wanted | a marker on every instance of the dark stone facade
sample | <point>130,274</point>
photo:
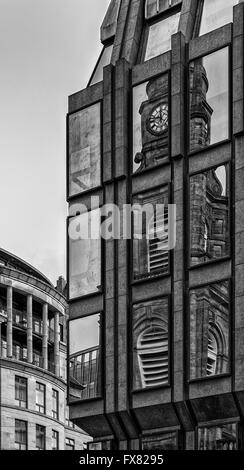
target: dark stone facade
<point>121,415</point>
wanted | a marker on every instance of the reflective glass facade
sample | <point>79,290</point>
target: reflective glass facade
<point>210,330</point>
<point>104,60</point>
<point>151,344</point>
<point>159,36</point>
<point>150,123</point>
<point>209,99</point>
<point>85,358</point>
<point>210,215</point>
<point>84,154</point>
<point>222,437</point>
<point>216,13</point>
<point>84,254</point>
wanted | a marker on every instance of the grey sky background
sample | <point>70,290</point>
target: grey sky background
<point>48,49</point>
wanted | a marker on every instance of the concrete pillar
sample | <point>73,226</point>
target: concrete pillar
<point>10,321</point>
<point>29,330</point>
<point>178,152</point>
<point>56,344</point>
<point>0,340</point>
<point>45,336</point>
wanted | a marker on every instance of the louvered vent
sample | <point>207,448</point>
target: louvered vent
<point>153,356</point>
<point>158,240</point>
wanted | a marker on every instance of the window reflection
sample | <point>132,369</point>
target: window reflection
<point>209,330</point>
<point>84,149</point>
<point>150,123</point>
<point>223,437</point>
<point>104,60</point>
<point>209,215</point>
<point>84,254</point>
<point>150,341</point>
<point>84,358</point>
<point>209,99</point>
<point>167,441</point>
<point>216,13</point>
<point>159,36</point>
<point>150,234</point>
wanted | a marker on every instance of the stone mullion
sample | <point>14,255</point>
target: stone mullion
<point>238,201</point>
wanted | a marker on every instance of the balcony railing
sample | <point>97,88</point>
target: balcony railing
<point>37,326</point>
<point>3,349</point>
<point>19,353</point>
<point>19,318</point>
<point>38,360</point>
<point>84,375</point>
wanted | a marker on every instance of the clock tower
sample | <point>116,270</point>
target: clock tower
<point>154,124</point>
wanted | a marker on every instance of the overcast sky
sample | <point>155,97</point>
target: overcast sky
<point>48,49</point>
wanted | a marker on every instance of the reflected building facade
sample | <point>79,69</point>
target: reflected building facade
<point>155,334</point>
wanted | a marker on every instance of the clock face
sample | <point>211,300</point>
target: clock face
<point>157,122</point>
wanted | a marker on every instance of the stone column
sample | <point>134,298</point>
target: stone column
<point>10,321</point>
<point>45,336</point>
<point>29,329</point>
<point>56,344</point>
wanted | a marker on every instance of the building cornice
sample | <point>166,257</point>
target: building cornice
<point>29,284</point>
<point>7,363</point>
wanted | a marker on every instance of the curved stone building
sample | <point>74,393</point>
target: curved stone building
<point>33,411</point>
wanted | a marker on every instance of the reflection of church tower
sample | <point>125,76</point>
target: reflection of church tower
<point>210,328</point>
<point>201,112</point>
<point>154,124</point>
<point>209,216</point>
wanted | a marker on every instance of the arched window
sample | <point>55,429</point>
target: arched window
<point>158,255</point>
<point>152,350</point>
<point>212,354</point>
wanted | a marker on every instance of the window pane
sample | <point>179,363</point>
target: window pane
<point>55,404</point>
<point>150,344</point>
<point>209,99</point>
<point>163,442</point>
<point>84,255</point>
<point>40,437</point>
<point>223,437</point>
<point>69,444</point>
<point>159,36</point>
<point>20,435</point>
<point>210,330</point>
<point>209,213</point>
<point>105,59</point>
<point>40,397</point>
<point>21,391</point>
<point>150,123</point>
<point>55,440</point>
<point>154,7</point>
<point>150,234</point>
<point>84,149</point>
<point>85,358</point>
<point>216,13</point>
